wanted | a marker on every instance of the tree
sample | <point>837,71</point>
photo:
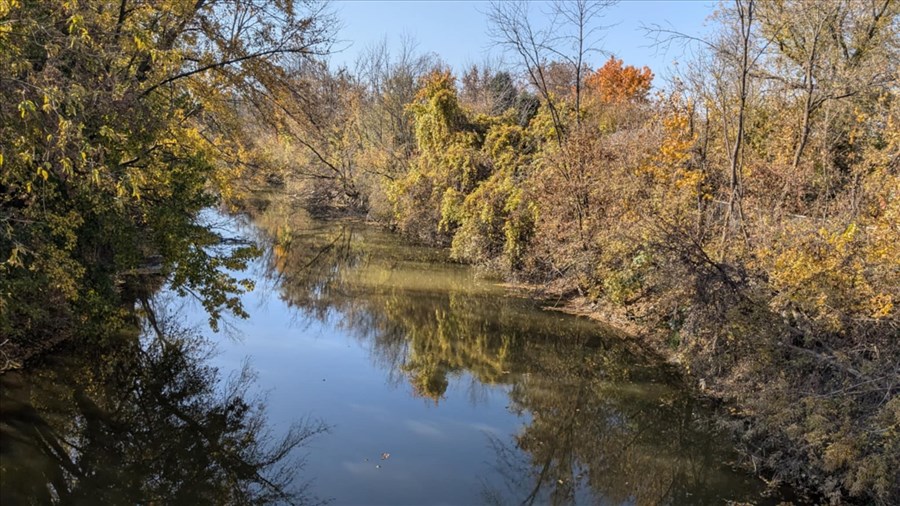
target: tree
<point>743,32</point>
<point>612,83</point>
<point>827,52</point>
<point>117,125</point>
<point>313,134</point>
<point>503,92</point>
<point>577,36</point>
<point>570,37</point>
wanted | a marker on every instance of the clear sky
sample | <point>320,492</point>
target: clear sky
<point>457,30</point>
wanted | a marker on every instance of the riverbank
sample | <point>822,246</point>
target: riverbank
<point>806,407</point>
<point>747,407</point>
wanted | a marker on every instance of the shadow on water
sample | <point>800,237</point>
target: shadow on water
<point>143,420</point>
<point>605,423</point>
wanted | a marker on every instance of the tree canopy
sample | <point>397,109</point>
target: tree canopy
<point>118,123</point>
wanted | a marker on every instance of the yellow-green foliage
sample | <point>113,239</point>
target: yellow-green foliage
<point>830,276</point>
<point>840,274</point>
<point>437,112</point>
<point>449,163</point>
<point>542,128</point>
<point>112,139</point>
<point>496,218</point>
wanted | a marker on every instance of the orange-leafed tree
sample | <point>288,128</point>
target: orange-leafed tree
<point>615,83</point>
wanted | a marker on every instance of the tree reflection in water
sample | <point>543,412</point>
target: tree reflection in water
<point>143,420</point>
<point>630,439</point>
<point>606,423</point>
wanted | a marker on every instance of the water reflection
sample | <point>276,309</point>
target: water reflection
<point>605,424</point>
<point>143,420</point>
<point>630,439</point>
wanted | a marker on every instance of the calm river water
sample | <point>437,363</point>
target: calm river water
<point>436,388</point>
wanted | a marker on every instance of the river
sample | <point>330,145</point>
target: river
<point>369,372</point>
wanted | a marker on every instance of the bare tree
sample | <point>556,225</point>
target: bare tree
<point>390,81</point>
<point>570,37</point>
<point>829,52</point>
<point>580,36</point>
<point>744,11</point>
<point>736,53</point>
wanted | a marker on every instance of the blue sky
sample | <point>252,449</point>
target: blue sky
<point>457,30</point>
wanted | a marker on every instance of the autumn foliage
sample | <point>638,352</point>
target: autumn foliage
<point>614,83</point>
<point>745,216</point>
